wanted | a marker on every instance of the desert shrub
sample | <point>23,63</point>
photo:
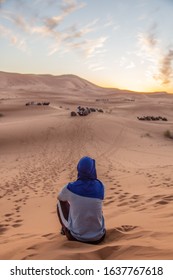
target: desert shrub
<point>168,134</point>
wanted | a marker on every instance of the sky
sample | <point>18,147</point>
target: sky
<point>126,44</point>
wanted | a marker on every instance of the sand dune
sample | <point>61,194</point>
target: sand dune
<point>39,150</point>
<point>44,83</point>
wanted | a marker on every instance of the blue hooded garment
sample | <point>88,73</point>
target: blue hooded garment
<point>87,184</point>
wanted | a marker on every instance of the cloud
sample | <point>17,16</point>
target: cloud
<point>99,68</point>
<point>30,23</point>
<point>69,6</point>
<point>150,54</point>
<point>52,23</point>
<point>123,61</point>
<point>96,67</point>
<point>73,32</point>
<point>126,63</point>
<point>3,30</point>
<point>1,2</point>
<point>165,70</point>
<point>160,68</point>
<point>43,25</point>
<point>34,26</point>
<point>21,44</point>
<point>57,46</point>
<point>130,65</point>
<point>147,41</point>
<point>88,47</point>
<point>20,22</point>
<point>72,38</point>
<point>109,22</point>
<point>14,39</point>
<point>24,15</point>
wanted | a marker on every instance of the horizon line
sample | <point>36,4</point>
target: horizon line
<point>71,74</point>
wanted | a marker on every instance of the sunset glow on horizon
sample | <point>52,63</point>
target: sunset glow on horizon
<point>112,43</point>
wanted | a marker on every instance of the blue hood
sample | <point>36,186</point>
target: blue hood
<point>86,169</point>
<point>87,184</point>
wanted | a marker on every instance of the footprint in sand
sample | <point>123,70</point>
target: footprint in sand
<point>49,236</point>
<point>109,202</point>
<point>34,247</point>
<point>122,204</point>
<point>165,200</point>
<point>8,214</point>
<point>119,233</point>
<point>155,197</point>
<point>167,179</point>
<point>135,196</point>
<point>3,228</point>
<point>17,208</point>
<point>17,223</point>
<point>122,196</point>
<point>125,228</point>
<point>161,202</point>
<point>169,198</point>
<point>30,256</point>
<point>109,197</point>
<point>8,220</point>
<point>116,192</point>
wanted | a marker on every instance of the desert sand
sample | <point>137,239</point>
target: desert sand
<point>39,150</point>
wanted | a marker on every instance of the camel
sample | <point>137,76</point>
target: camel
<point>73,114</point>
<point>84,111</point>
<point>151,118</point>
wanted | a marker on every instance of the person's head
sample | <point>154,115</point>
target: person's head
<point>86,168</point>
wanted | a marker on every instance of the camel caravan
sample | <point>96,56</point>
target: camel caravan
<point>152,118</point>
<point>84,111</point>
<point>37,103</point>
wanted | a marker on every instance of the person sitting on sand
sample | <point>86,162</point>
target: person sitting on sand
<point>79,206</point>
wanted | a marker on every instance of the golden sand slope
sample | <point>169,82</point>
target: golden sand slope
<point>39,150</point>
